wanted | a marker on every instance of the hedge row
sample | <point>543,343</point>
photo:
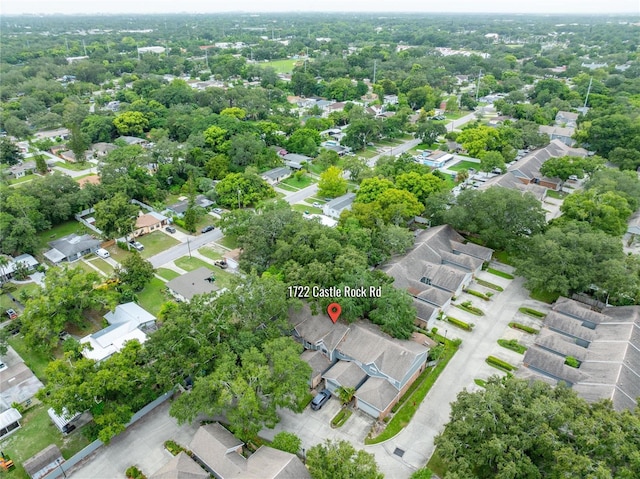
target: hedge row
<point>502,274</point>
<point>341,417</point>
<point>460,324</point>
<point>522,327</point>
<point>478,294</point>
<point>513,345</point>
<point>500,364</point>
<point>532,312</point>
<point>495,287</point>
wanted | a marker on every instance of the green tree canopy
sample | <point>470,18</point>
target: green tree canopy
<point>115,216</point>
<point>334,459</point>
<point>332,184</point>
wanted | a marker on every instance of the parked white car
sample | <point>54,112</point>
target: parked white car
<point>103,253</point>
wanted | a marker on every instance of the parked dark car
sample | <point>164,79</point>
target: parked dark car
<point>221,264</point>
<point>206,229</point>
<point>170,229</point>
<point>321,399</point>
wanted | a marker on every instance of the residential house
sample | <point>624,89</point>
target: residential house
<point>334,145</point>
<point>605,344</point>
<point>337,205</point>
<point>220,452</point>
<point>560,133</point>
<point>439,266</point>
<point>127,322</point>
<point>524,174</point>
<point>133,140</point>
<point>182,205</point>
<point>71,248</point>
<point>25,261</point>
<point>149,222</point>
<point>18,384</point>
<point>295,161</point>
<point>101,149</point>
<point>21,170</point>
<point>199,281</point>
<point>44,462</point>
<point>377,366</point>
<point>434,159</point>
<point>390,99</point>
<point>59,134</point>
<point>319,365</point>
<point>9,421</point>
<point>276,175</point>
<point>567,119</point>
<point>180,467</point>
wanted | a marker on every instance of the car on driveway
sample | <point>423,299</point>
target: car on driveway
<point>206,229</point>
<point>103,253</point>
<point>218,211</point>
<point>12,313</point>
<point>137,245</point>
<point>221,264</point>
<point>316,205</point>
<point>170,229</point>
<point>321,399</point>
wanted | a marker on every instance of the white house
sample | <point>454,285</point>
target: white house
<point>336,206</point>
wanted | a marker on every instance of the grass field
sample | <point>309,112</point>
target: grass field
<point>463,165</point>
<point>167,274</point>
<point>303,208</point>
<point>209,253</point>
<point>228,242</point>
<point>75,166</point>
<point>153,296</point>
<point>37,361</point>
<point>103,266</point>
<point>303,183</point>
<point>280,66</point>
<point>155,243</point>
<point>37,432</point>
<point>191,264</point>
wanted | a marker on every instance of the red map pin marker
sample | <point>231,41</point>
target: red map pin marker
<point>334,311</point>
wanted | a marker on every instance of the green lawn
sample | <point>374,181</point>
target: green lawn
<point>36,433</point>
<point>559,195</point>
<point>305,181</point>
<point>228,242</point>
<point>280,66</point>
<point>118,253</point>
<point>454,115</point>
<point>543,296</point>
<point>36,361</point>
<point>75,166</point>
<point>153,296</point>
<point>84,266</point>
<point>24,179</point>
<point>155,243</point>
<point>191,264</point>
<point>167,274</point>
<point>103,266</point>
<point>6,303</point>
<point>303,208</point>
<point>463,165</point>
<point>286,187</point>
<point>59,231</point>
<point>209,253</point>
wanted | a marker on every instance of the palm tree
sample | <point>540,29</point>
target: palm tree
<point>3,263</point>
<point>345,394</point>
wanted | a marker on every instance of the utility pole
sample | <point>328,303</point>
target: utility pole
<point>375,65</point>
<point>478,84</point>
<point>586,99</point>
<point>66,41</point>
<point>85,48</point>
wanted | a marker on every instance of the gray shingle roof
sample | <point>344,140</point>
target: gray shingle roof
<point>73,244</point>
<point>377,392</point>
<point>193,282</point>
<point>346,374</point>
<point>180,467</point>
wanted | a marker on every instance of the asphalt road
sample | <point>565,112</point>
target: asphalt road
<point>193,242</point>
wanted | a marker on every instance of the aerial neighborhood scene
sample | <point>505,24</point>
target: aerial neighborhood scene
<point>377,240</point>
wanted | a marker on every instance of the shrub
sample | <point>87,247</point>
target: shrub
<point>502,274</point>
<point>480,382</point>
<point>478,294</point>
<point>434,330</point>
<point>460,323</point>
<point>134,473</point>
<point>500,364</point>
<point>495,287</point>
<point>573,362</point>
<point>173,447</point>
<point>341,417</point>
<point>513,345</point>
<point>287,441</point>
<point>532,312</point>
<point>469,308</point>
<point>522,327</point>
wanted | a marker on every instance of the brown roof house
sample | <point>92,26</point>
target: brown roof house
<point>221,454</point>
<point>181,467</point>
<point>605,346</point>
<point>149,222</point>
<point>437,268</point>
<point>379,367</point>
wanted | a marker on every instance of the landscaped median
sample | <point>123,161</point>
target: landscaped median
<point>414,397</point>
<point>500,364</point>
<point>461,324</point>
<point>341,417</point>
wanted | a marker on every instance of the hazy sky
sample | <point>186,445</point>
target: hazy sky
<point>213,6</point>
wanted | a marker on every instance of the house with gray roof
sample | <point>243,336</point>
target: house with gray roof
<point>180,467</point>
<point>9,421</point>
<point>561,133</point>
<point>71,248</point>
<point>296,161</point>
<point>182,205</point>
<point>360,353</point>
<point>337,205</point>
<point>525,173</point>
<point>221,454</point>
<point>18,384</point>
<point>199,281</point>
<point>276,175</point>
<point>606,345</point>
<point>319,365</point>
<point>439,266</point>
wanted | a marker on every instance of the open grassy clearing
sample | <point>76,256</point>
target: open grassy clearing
<point>305,181</point>
<point>228,242</point>
<point>75,166</point>
<point>209,253</point>
<point>191,264</point>
<point>463,165</point>
<point>167,274</point>
<point>280,66</point>
<point>155,243</point>
<point>153,296</point>
<point>302,208</point>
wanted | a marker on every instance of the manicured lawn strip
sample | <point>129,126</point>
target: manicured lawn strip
<point>302,208</point>
<point>36,433</point>
<point>500,364</point>
<point>167,274</point>
<point>556,194</point>
<point>478,294</point>
<point>463,165</point>
<point>341,417</point>
<point>523,327</point>
<point>304,402</point>
<point>503,257</point>
<point>419,380</point>
<point>305,181</point>
<point>532,312</point>
<point>282,186</point>
<point>84,266</point>
<point>513,345</point>
<point>544,296</point>
<point>402,418</point>
<point>209,253</point>
<point>103,266</point>
<point>155,243</point>
<point>502,274</point>
<point>36,361</point>
<point>190,264</point>
<point>153,296</point>
<point>487,284</point>
<point>469,309</point>
<point>228,242</point>
<point>461,324</point>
